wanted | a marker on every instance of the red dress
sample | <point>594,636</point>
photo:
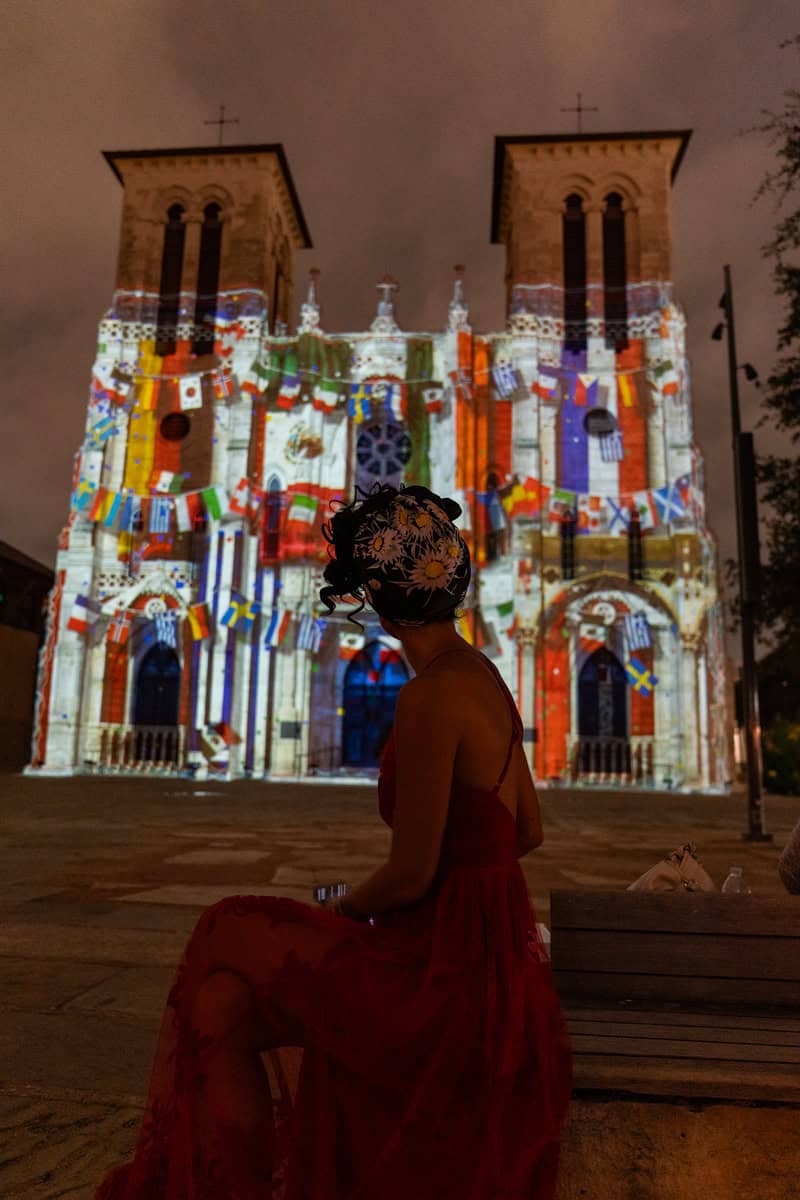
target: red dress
<point>436,1064</point>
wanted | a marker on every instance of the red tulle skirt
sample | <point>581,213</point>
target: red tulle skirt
<point>433,1057</point>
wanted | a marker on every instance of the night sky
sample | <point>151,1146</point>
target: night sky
<point>388,114</point>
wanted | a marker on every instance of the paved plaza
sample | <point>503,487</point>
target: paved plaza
<point>103,879</point>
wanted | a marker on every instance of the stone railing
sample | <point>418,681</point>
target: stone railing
<point>141,748</point>
<point>612,761</point>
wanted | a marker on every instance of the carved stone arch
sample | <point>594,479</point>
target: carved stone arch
<point>622,184</point>
<point>212,193</point>
<point>164,198</point>
<point>607,582</point>
<point>571,185</point>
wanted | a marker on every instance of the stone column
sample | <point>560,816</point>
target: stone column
<point>688,709</point>
<point>702,719</point>
<point>64,709</point>
<point>547,446</point>
<point>88,742</point>
<point>287,709</point>
<point>526,649</point>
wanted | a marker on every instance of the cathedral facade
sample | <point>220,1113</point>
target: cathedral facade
<point>185,633</point>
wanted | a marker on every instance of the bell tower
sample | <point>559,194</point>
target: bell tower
<point>200,222</point>
<point>588,213</point>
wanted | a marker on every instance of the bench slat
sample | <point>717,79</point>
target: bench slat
<point>601,986</point>
<point>689,912</point>
<point>645,1047</point>
<point>710,955</point>
<point>679,1020</point>
<point>657,1032</point>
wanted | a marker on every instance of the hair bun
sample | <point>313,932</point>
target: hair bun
<point>451,507</point>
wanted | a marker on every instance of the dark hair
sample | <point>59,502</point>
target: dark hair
<point>345,576</point>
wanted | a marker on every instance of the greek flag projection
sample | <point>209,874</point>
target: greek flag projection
<point>185,633</point>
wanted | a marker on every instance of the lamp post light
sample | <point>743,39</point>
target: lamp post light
<point>748,557</point>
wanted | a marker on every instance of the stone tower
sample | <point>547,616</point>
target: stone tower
<point>585,220</point>
<point>191,219</point>
<point>535,175</point>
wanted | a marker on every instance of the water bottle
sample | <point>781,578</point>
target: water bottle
<point>733,884</point>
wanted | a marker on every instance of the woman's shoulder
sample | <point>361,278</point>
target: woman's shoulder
<point>447,682</point>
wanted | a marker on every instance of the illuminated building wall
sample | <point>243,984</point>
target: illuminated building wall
<point>185,631</point>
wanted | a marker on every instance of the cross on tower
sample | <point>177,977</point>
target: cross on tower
<point>580,109</point>
<point>386,286</point>
<point>222,121</point>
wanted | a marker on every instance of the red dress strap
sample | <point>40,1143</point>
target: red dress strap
<point>515,718</point>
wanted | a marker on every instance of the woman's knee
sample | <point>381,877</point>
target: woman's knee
<point>223,1005</point>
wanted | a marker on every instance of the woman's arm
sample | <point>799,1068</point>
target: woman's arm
<point>383,890</point>
<point>529,817</point>
<point>789,862</point>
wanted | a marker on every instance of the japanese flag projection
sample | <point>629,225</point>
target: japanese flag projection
<point>191,392</point>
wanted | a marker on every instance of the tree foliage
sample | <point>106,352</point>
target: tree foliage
<point>779,475</point>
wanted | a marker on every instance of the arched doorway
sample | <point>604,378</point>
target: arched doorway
<point>603,716</point>
<point>156,704</point>
<point>371,684</point>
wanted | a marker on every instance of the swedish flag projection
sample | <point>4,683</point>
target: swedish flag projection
<point>185,633</point>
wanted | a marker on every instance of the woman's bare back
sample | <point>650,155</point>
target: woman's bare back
<point>483,717</point>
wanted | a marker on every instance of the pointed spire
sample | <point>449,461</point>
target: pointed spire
<point>458,312</point>
<point>309,311</point>
<point>385,320</point>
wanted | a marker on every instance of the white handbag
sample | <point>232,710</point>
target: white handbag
<point>680,870</point>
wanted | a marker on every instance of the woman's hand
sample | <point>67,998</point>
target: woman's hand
<point>340,906</point>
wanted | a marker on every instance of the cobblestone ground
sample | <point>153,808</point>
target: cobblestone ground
<point>102,881</point>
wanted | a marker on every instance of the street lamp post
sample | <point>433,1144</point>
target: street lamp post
<point>747,548</point>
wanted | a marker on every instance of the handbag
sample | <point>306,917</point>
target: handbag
<point>680,870</point>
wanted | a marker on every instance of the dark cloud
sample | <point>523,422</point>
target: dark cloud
<point>387,113</point>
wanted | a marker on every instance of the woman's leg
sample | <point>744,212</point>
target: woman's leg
<point>207,1082</point>
<point>231,1103</point>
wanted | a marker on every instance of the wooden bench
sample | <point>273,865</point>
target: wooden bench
<point>665,990</point>
<point>684,1013</point>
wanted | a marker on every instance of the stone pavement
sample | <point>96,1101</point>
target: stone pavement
<point>102,881</point>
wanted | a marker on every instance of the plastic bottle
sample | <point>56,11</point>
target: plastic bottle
<point>733,883</point>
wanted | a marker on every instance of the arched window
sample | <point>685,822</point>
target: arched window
<point>615,272</point>
<point>574,243</point>
<point>568,525</point>
<point>207,280</point>
<point>271,521</point>
<point>170,288</point>
<point>635,559</point>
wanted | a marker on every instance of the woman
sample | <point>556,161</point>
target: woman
<point>435,1057</point>
<point>789,862</point>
